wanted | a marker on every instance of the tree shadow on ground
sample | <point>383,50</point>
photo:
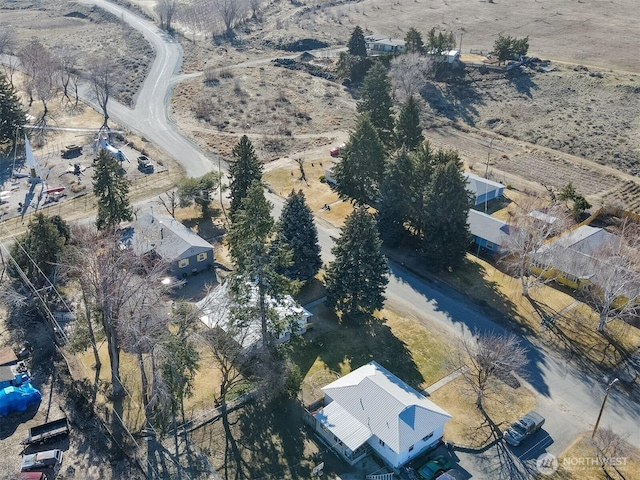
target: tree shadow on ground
<point>454,101</point>
<point>346,347</point>
<point>521,81</point>
<point>272,439</point>
<point>494,313</point>
<point>209,225</point>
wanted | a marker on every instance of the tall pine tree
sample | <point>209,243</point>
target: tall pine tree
<point>413,42</point>
<point>244,169</point>
<point>256,262</point>
<point>12,116</point>
<point>357,278</point>
<point>446,209</point>
<point>375,101</point>
<point>297,231</point>
<point>357,45</point>
<point>408,129</point>
<point>38,251</point>
<point>359,173</point>
<point>112,190</point>
<point>394,206</point>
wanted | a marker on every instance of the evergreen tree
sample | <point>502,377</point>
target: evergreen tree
<point>12,116</point>
<point>112,190</point>
<point>297,231</point>
<point>408,129</point>
<point>418,183</point>
<point>39,249</point>
<point>353,67</point>
<point>244,169</point>
<point>357,45</point>
<point>255,261</point>
<point>413,42</point>
<point>394,205</point>
<point>359,173</point>
<point>446,209</point>
<point>376,102</point>
<point>357,278</point>
<point>440,42</point>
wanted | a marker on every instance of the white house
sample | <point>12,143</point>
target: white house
<point>372,409</point>
<point>285,314</point>
<point>382,44</point>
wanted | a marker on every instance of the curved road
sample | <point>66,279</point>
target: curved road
<point>569,398</point>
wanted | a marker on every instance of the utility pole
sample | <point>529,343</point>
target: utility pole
<point>604,400</point>
<point>486,171</point>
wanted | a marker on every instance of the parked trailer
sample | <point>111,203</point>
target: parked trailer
<point>47,431</point>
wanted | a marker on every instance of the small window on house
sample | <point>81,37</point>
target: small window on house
<point>202,256</point>
<point>490,245</point>
<point>411,448</point>
<point>183,263</point>
<point>381,442</point>
<point>427,437</point>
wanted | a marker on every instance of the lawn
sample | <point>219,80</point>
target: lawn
<point>580,462</point>
<point>206,384</point>
<point>468,426</point>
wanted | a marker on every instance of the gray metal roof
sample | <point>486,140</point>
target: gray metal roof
<point>167,237</point>
<point>479,185</point>
<point>343,425</point>
<point>488,227</point>
<point>390,409</point>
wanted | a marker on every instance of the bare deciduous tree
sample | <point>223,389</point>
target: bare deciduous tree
<point>104,80</point>
<point>409,74</point>
<point>32,56</point>
<point>170,200</point>
<point>68,73</point>
<point>486,357</point>
<point>230,11</point>
<point>613,288</point>
<point>7,45</point>
<point>166,10</point>
<point>254,5</point>
<point>45,84</point>
<point>531,224</point>
<point>611,449</point>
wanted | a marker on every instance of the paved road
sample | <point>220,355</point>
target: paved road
<point>568,399</point>
<point>149,116</point>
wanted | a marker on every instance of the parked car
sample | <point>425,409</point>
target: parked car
<point>433,467</point>
<point>144,164</point>
<point>41,460</point>
<point>523,428</point>
<point>335,151</point>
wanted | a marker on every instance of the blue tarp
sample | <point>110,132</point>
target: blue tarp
<point>18,398</point>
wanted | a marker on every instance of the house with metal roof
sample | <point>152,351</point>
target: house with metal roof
<point>483,189</point>
<point>285,316</point>
<point>166,237</point>
<point>383,45</point>
<point>372,410</point>
<point>489,233</point>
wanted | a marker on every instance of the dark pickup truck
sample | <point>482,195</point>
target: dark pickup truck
<point>71,151</point>
<point>523,428</point>
<point>47,431</point>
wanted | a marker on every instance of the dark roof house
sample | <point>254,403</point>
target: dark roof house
<point>172,241</point>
